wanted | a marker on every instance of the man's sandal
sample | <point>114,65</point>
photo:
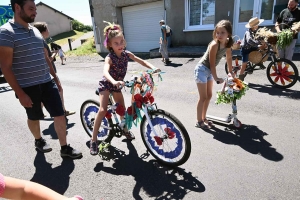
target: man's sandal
<point>202,125</point>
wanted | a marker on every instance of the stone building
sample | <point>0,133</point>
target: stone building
<point>192,21</point>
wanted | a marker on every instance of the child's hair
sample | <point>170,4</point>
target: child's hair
<point>54,46</point>
<point>227,25</point>
<point>41,26</point>
<point>110,31</point>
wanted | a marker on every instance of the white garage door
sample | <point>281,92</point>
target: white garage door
<point>141,26</point>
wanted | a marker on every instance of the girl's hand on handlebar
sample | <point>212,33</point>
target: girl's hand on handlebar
<point>155,70</point>
<point>219,80</point>
<point>118,84</point>
<point>231,74</point>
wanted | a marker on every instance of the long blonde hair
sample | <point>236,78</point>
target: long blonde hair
<point>110,31</point>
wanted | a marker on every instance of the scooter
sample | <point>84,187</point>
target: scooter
<point>229,118</point>
<point>233,116</point>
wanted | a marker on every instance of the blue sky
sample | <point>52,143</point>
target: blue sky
<point>77,9</point>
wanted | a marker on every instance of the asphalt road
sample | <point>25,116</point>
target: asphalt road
<point>259,161</point>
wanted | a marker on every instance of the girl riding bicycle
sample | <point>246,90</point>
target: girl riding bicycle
<point>205,71</point>
<point>115,68</point>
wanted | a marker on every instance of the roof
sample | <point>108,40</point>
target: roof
<point>43,4</point>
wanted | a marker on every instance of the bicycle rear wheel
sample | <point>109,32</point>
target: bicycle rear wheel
<point>88,112</point>
<point>171,146</point>
<point>283,73</point>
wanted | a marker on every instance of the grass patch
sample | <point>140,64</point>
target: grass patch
<point>86,49</point>
<point>62,38</point>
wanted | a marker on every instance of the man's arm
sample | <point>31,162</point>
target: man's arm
<point>165,35</point>
<point>6,58</point>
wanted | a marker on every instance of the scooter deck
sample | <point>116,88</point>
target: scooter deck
<point>221,119</point>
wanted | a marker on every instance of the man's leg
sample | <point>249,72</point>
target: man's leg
<point>34,127</point>
<point>289,51</point>
<point>34,114</point>
<point>53,104</point>
<point>60,128</point>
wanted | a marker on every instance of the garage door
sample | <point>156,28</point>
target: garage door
<point>141,26</point>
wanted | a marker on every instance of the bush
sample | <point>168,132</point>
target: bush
<point>78,26</point>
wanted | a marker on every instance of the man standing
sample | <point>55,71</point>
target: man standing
<point>286,19</point>
<point>26,69</point>
<point>163,42</point>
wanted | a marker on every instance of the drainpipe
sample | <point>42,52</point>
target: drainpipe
<point>165,11</point>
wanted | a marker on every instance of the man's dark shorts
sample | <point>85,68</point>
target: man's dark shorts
<point>46,93</point>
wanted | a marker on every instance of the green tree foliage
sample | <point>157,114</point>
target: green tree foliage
<point>78,26</point>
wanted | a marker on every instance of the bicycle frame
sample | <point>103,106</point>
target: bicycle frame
<point>120,126</point>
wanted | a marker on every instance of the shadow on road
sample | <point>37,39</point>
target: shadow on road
<point>249,137</point>
<point>51,130</point>
<point>156,180</point>
<point>56,178</point>
<point>293,94</point>
<point>173,64</point>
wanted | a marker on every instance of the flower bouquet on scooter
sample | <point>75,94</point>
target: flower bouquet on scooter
<point>233,88</point>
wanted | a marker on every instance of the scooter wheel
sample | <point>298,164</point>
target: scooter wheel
<point>237,123</point>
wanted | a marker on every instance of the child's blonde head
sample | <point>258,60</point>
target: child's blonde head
<point>227,25</point>
<point>110,31</point>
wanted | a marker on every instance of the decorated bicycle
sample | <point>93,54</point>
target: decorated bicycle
<point>163,134</point>
<point>281,72</point>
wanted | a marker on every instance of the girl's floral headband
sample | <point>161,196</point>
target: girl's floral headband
<point>111,28</point>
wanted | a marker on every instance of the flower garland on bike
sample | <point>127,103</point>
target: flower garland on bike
<point>233,88</point>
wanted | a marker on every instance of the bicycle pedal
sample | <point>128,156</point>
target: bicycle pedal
<point>103,147</point>
<point>262,67</point>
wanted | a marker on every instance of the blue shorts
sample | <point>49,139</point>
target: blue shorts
<point>202,74</point>
<point>46,93</point>
<point>245,53</point>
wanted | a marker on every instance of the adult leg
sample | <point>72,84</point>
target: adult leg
<point>162,52</point>
<point>289,51</point>
<point>53,104</point>
<point>34,114</point>
<point>166,54</point>
<point>34,127</point>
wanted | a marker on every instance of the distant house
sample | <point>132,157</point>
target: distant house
<point>192,21</point>
<point>57,21</point>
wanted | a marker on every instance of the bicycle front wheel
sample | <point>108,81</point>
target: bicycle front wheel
<point>282,73</point>
<point>171,146</point>
<point>88,112</point>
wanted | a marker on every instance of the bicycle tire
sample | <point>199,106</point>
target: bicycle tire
<point>239,57</point>
<point>173,151</point>
<point>88,111</point>
<point>282,76</point>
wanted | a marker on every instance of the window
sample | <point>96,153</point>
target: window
<point>267,9</point>
<point>200,14</point>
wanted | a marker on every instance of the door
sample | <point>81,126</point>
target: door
<point>141,26</point>
<point>246,9</point>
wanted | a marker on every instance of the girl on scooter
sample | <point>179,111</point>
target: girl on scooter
<point>205,71</point>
